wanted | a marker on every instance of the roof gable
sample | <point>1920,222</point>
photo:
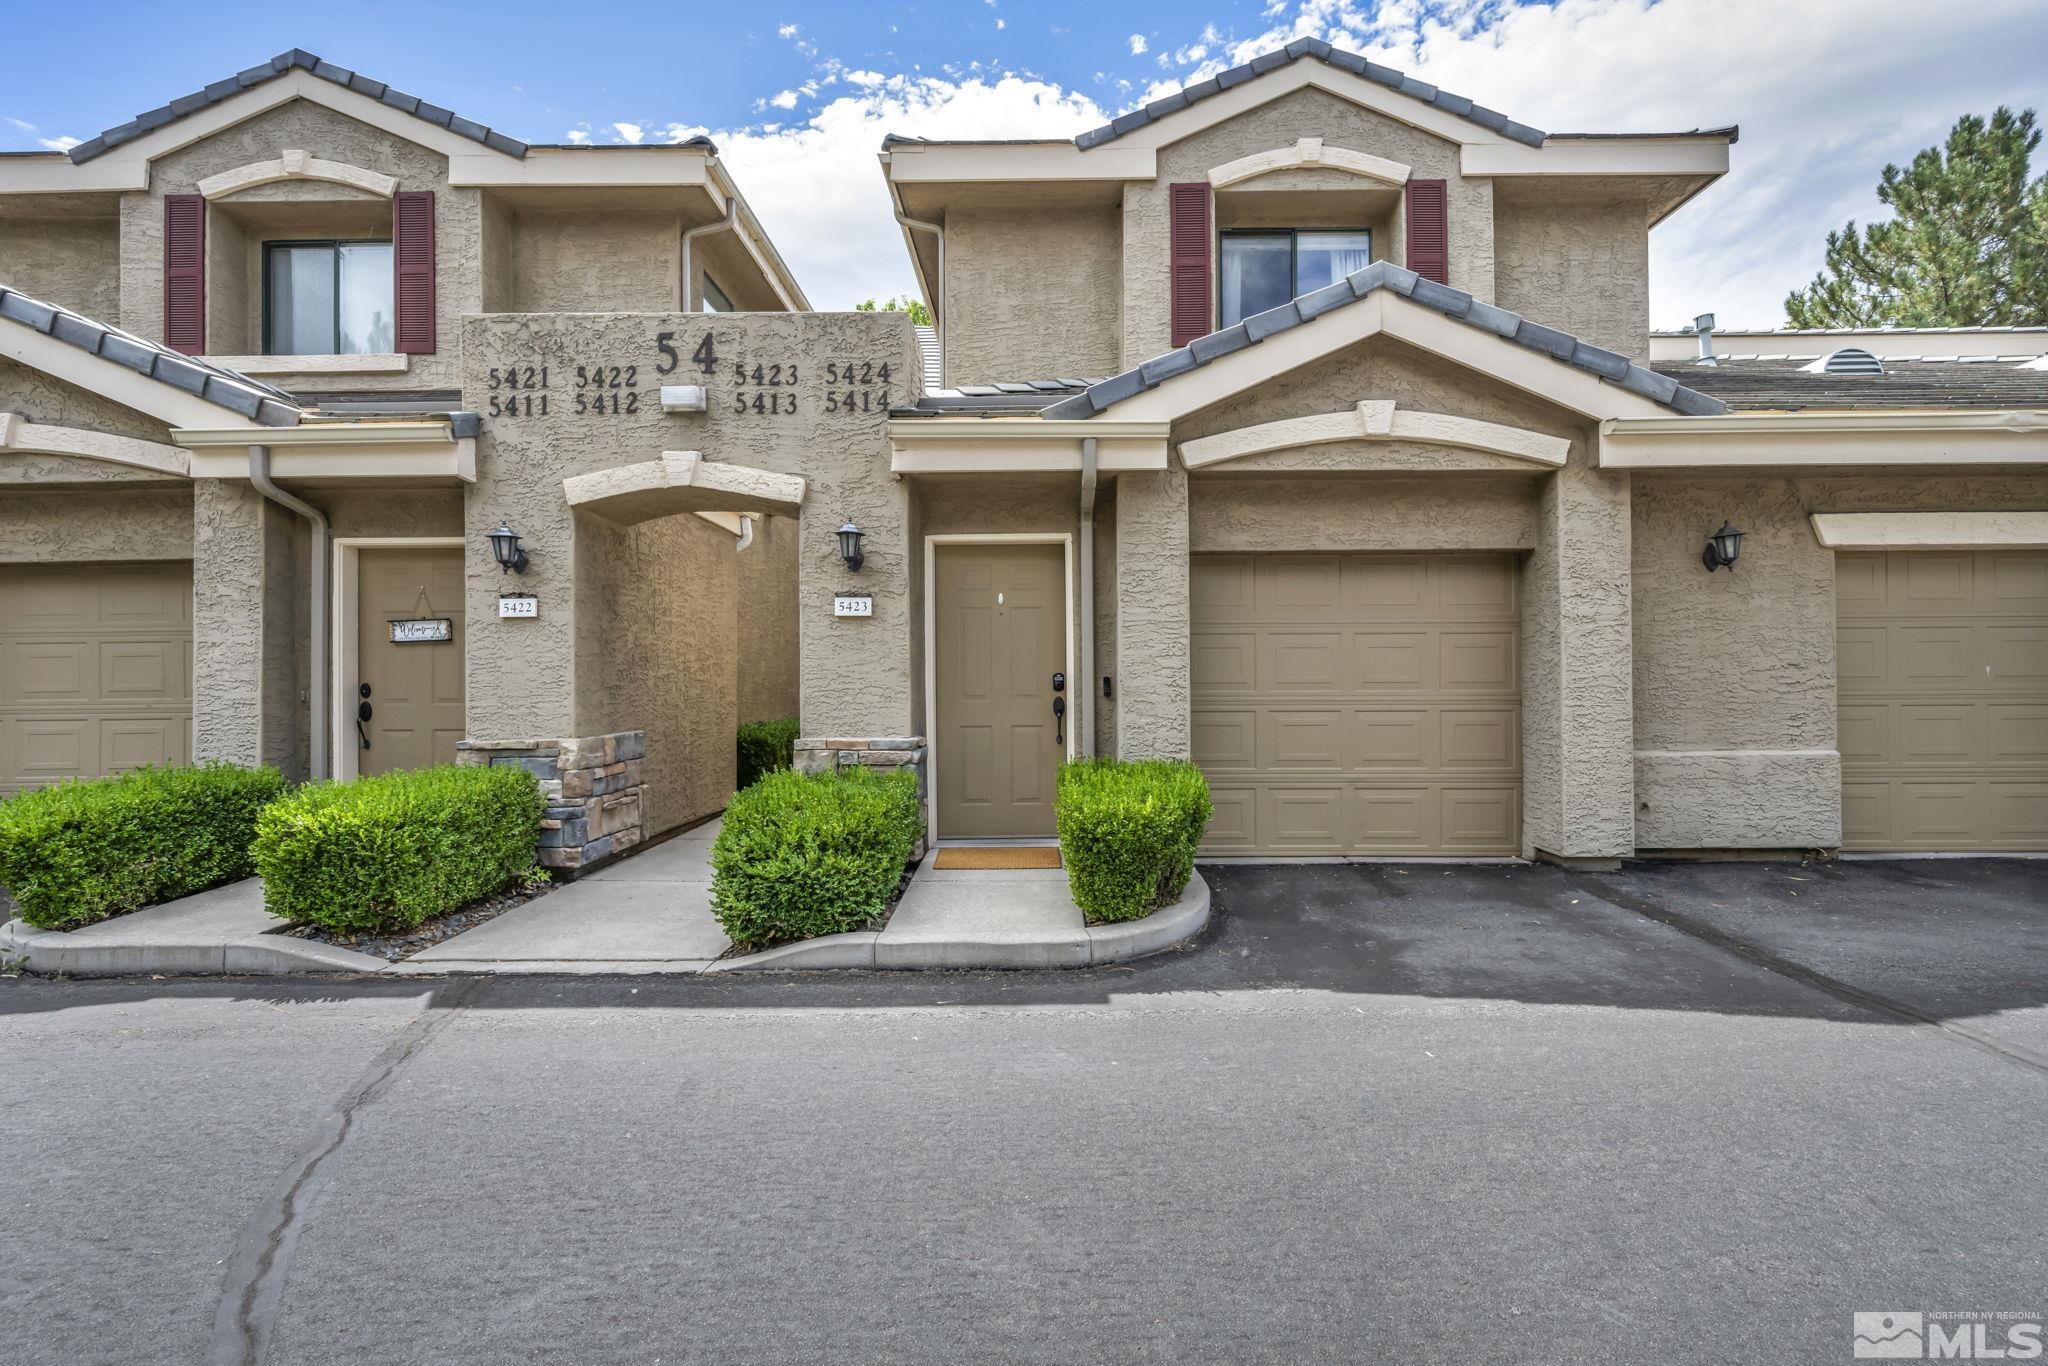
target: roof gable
<point>1447,321</point>
<point>281,65</point>
<point>175,389</point>
<point>1442,101</point>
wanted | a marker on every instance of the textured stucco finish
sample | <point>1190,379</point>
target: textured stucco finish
<point>327,134</point>
<point>1153,684</point>
<point>246,628</point>
<point>1302,113</point>
<point>36,397</point>
<point>1294,512</point>
<point>1735,692</point>
<point>765,604</point>
<point>657,650</point>
<point>1032,294</point>
<point>857,674</point>
<point>596,262</point>
<point>52,526</point>
<point>1579,265</point>
<point>73,261</point>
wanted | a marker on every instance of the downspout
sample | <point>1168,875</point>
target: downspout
<point>938,304</point>
<point>732,214</point>
<point>316,697</point>
<point>1084,686</point>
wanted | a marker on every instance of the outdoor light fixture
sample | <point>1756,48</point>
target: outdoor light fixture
<point>1722,548</point>
<point>849,545</point>
<point>505,546</point>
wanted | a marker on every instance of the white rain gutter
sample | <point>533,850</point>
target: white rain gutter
<point>1084,686</point>
<point>938,304</point>
<point>259,475</point>
<point>732,214</point>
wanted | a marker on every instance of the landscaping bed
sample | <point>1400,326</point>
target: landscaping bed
<point>395,946</point>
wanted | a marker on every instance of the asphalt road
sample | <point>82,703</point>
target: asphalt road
<point>1671,1114</point>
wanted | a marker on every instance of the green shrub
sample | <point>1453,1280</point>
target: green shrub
<point>802,855</point>
<point>79,852</point>
<point>385,853</point>
<point>1128,833</point>
<point>765,746</point>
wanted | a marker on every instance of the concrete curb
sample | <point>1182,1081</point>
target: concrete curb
<point>1088,947</point>
<point>54,951</point>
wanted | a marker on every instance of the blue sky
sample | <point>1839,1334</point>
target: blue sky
<point>799,95</point>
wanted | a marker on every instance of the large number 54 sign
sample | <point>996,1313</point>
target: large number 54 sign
<point>705,357</point>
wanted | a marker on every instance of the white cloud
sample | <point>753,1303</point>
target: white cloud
<point>59,144</point>
<point>785,99</point>
<point>1137,44</point>
<point>629,132</point>
<point>786,31</point>
<point>1002,23</point>
<point>23,124</point>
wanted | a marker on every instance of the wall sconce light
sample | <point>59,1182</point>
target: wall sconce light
<point>1722,548</point>
<point>849,546</point>
<point>505,547</point>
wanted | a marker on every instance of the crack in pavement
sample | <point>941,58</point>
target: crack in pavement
<point>254,1285</point>
<point>1770,961</point>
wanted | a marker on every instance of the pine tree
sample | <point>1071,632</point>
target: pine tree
<point>1967,245</point>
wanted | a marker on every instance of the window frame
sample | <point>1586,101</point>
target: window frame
<point>1293,236</point>
<point>711,287</point>
<point>334,246</point>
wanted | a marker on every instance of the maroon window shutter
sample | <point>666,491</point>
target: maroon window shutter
<point>185,273</point>
<point>412,264</point>
<point>1189,249</point>
<point>1429,230</point>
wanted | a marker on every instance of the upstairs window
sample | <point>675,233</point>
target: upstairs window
<point>716,300</point>
<point>327,299</point>
<point>1264,268</point>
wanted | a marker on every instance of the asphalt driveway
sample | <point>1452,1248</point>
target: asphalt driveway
<point>1670,1114</point>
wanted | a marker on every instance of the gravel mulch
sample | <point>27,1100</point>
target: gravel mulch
<point>395,948</point>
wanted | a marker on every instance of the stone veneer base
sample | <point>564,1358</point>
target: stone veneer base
<point>595,790</point>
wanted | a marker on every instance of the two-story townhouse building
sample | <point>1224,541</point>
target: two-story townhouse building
<point>1305,423</point>
<point>240,510</point>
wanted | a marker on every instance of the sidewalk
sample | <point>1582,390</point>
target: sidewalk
<point>648,913</point>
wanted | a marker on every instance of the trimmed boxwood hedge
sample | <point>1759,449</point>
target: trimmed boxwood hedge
<point>1128,833</point>
<point>802,854</point>
<point>80,852</point>
<point>385,853</point>
<point>765,746</point>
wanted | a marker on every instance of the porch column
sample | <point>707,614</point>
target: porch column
<point>248,645</point>
<point>1578,708</point>
<point>1151,567</point>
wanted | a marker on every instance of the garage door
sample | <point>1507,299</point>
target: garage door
<point>95,670</point>
<point>1365,704</point>
<point>1942,668</point>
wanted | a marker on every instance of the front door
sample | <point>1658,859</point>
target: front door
<point>1000,625</point>
<point>409,680</point>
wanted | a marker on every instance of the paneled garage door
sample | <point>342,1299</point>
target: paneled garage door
<point>1365,704</point>
<point>1942,668</point>
<point>95,670</point>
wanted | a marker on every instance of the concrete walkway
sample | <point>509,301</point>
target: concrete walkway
<point>225,930</point>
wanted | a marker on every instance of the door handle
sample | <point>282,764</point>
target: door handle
<point>363,713</point>
<point>1059,720</point>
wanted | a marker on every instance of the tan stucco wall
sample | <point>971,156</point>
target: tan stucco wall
<point>321,131</point>
<point>139,522</point>
<point>765,602</point>
<point>657,650</point>
<point>38,398</point>
<point>1734,673</point>
<point>1032,294</point>
<point>566,261</point>
<point>72,261</point>
<point>857,675</point>
<point>1302,113</point>
<point>1579,265</point>
<point>248,559</point>
<point>1361,512</point>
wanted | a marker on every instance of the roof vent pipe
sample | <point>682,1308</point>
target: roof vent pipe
<point>1703,328</point>
<point>316,648</point>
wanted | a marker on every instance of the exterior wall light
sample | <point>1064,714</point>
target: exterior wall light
<point>1722,548</point>
<point>505,547</point>
<point>849,546</point>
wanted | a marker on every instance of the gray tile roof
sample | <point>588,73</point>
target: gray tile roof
<point>1452,303</point>
<point>1783,384</point>
<point>252,399</point>
<point>1322,52</point>
<point>299,60</point>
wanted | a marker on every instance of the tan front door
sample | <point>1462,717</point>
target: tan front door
<point>415,687</point>
<point>1000,625</point>
<point>1941,661</point>
<point>1358,704</point>
<point>95,670</point>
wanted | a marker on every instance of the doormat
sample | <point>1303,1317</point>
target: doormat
<point>1001,857</point>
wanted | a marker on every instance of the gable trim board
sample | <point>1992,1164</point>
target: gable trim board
<point>22,437</point>
<point>297,165</point>
<point>1377,420</point>
<point>1312,154</point>
<point>180,391</point>
<point>1384,298</point>
<point>1828,439</point>
<point>1931,530</point>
